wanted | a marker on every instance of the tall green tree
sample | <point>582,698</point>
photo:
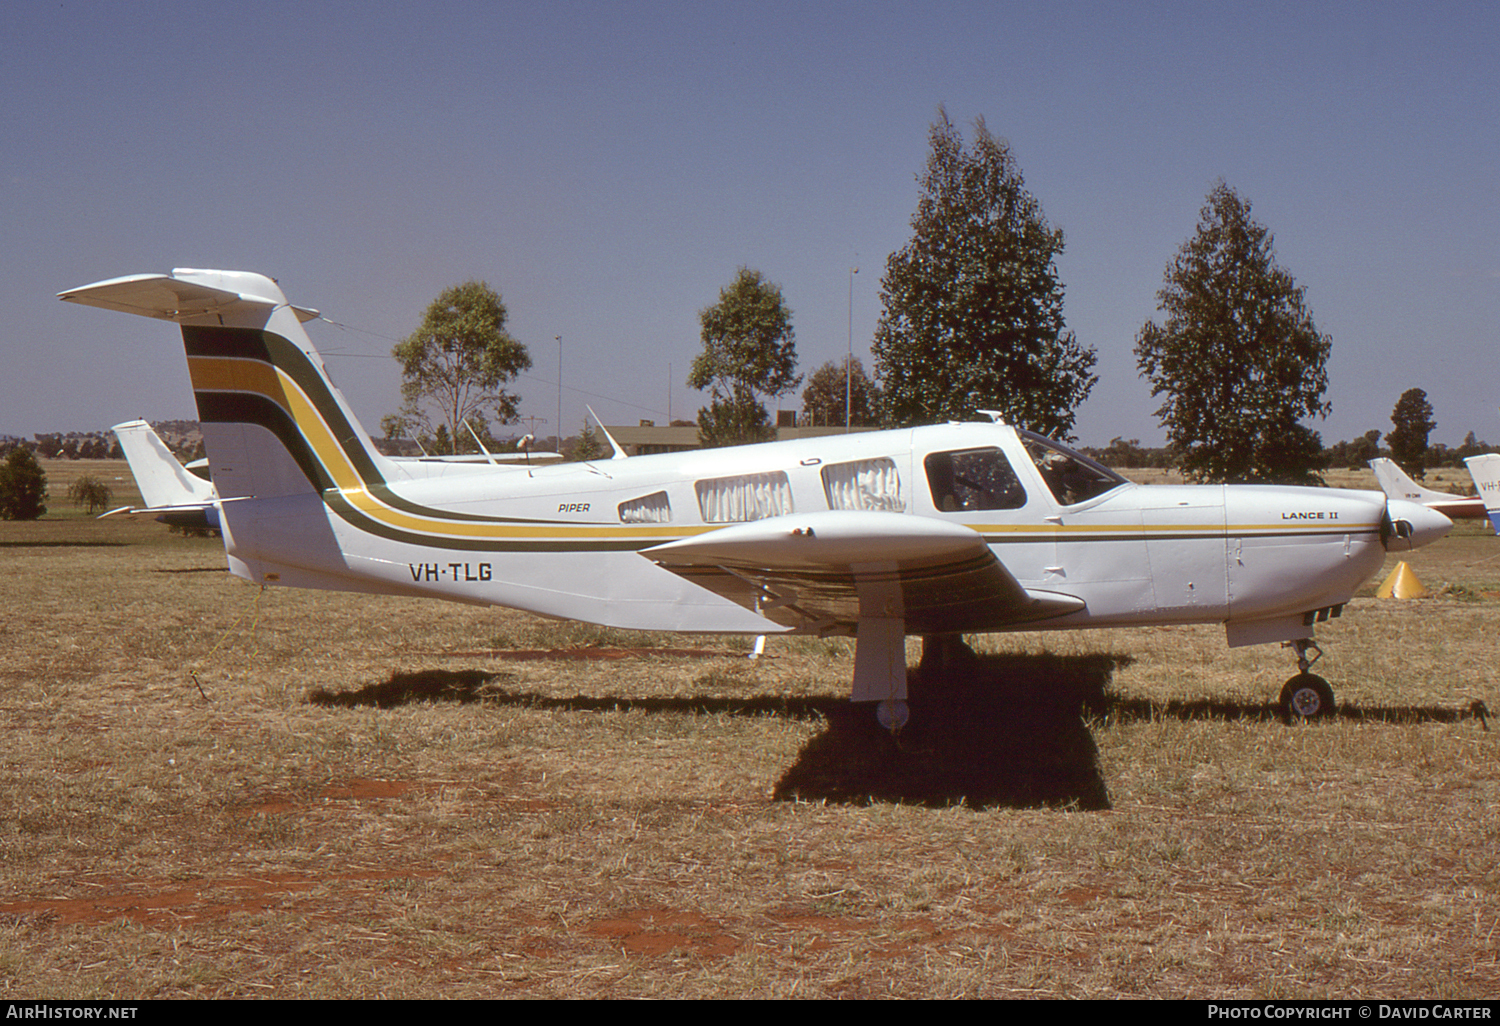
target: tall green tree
<point>973,307</point>
<point>1237,355</point>
<point>457,364</point>
<point>824,398</point>
<point>1413,419</point>
<point>23,486</point>
<point>749,355</point>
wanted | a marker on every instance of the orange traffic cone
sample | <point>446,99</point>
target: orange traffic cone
<point>1401,584</point>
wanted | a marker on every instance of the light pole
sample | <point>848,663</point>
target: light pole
<point>849,358</point>
<point>559,392</point>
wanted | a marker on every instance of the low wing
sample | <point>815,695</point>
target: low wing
<point>826,571</point>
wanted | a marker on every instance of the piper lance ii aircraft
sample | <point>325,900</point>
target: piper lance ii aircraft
<point>1397,485</point>
<point>935,531</point>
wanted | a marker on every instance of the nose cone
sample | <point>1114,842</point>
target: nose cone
<point>1410,525</point>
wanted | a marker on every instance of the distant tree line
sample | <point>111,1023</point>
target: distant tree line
<point>1352,455</point>
<point>72,446</point>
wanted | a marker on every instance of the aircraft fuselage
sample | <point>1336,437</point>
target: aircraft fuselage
<point>566,540</point>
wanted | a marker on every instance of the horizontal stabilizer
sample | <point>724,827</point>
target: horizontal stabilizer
<point>200,516</point>
<point>183,295</point>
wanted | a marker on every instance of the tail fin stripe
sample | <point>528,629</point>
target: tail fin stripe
<point>250,347</point>
<point>250,408</point>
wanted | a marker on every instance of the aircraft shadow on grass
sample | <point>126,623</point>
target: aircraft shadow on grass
<point>991,731</point>
<point>1001,730</point>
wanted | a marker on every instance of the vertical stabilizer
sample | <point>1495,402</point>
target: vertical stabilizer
<point>1397,484</point>
<point>163,481</point>
<point>275,429</point>
<point>1485,470</point>
<point>273,423</point>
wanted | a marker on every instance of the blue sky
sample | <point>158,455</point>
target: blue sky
<point>609,166</point>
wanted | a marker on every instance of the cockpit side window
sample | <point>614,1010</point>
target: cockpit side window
<point>1071,476</point>
<point>970,479</point>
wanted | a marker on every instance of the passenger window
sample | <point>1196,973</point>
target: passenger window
<point>864,485</point>
<point>649,509</point>
<point>972,479</point>
<point>726,500</point>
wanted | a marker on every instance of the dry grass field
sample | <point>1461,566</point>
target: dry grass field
<point>213,791</point>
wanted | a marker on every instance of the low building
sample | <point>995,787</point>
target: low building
<point>646,437</point>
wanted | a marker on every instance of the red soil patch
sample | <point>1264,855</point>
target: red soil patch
<point>159,902</point>
<point>660,931</point>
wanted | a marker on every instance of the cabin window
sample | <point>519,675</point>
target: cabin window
<point>726,500</point>
<point>970,479</point>
<point>1071,476</point>
<point>648,509</point>
<point>864,485</point>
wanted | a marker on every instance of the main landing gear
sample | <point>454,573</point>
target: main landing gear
<point>1306,696</point>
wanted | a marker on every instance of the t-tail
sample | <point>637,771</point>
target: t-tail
<point>274,426</point>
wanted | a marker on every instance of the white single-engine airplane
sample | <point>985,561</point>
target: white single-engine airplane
<point>172,493</point>
<point>935,531</point>
<point>1397,485</point>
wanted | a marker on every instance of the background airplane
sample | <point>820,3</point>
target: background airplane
<point>1485,470</point>
<point>172,493</point>
<point>1397,485</point>
<point>935,531</point>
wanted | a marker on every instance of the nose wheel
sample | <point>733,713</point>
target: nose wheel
<point>1306,696</point>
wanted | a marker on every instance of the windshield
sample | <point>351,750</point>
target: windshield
<point>1072,476</point>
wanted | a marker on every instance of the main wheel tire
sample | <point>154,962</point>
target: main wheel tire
<point>893,714</point>
<point>1306,697</point>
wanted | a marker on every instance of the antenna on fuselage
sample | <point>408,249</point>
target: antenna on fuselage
<point>475,435</point>
<point>996,417</point>
<point>620,453</point>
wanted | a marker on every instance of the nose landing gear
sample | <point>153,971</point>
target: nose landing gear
<point>1306,696</point>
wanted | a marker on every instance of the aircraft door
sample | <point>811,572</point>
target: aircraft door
<point>979,488</point>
